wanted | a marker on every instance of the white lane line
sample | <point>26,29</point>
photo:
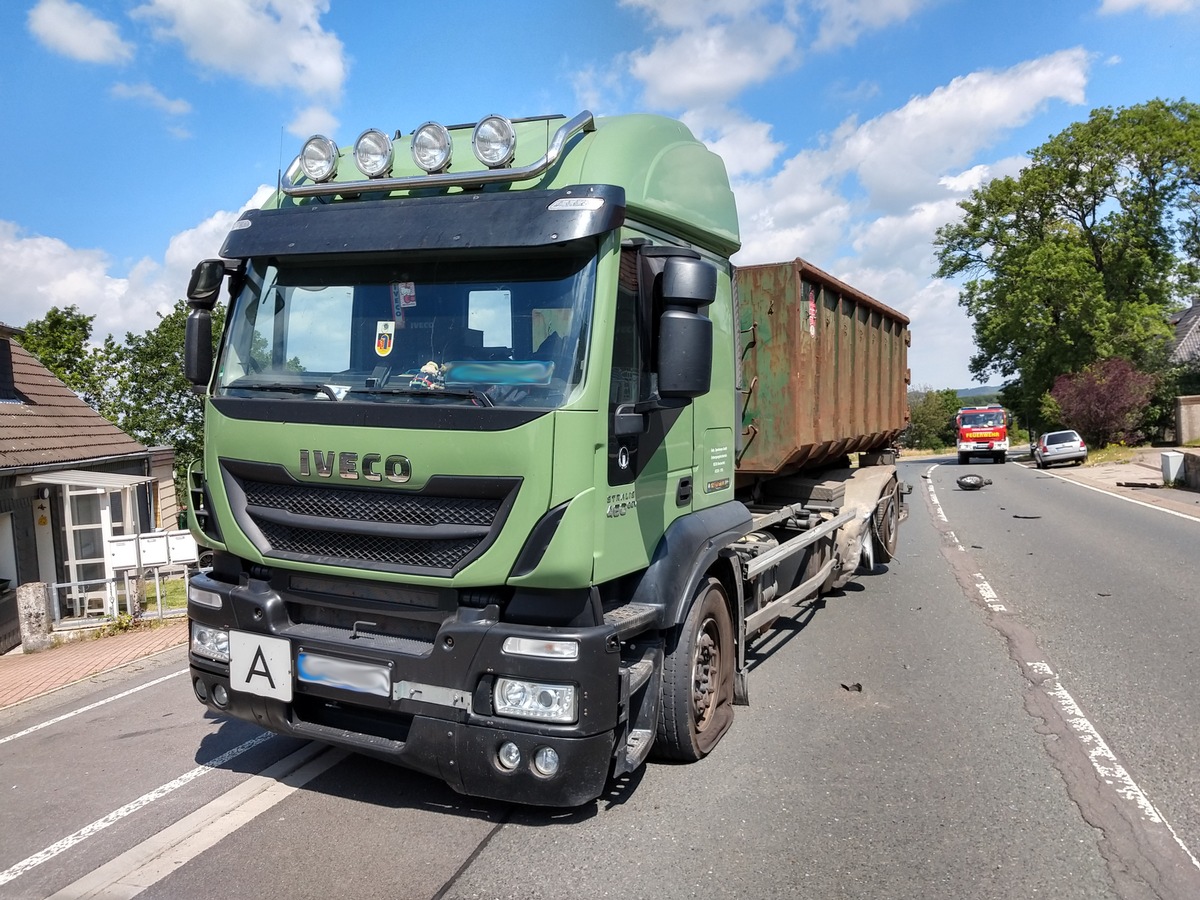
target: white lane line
<point>937,505</point>
<point>989,595</point>
<point>153,860</point>
<point>90,707</point>
<point>1104,761</point>
<point>116,815</point>
<point>1161,509</point>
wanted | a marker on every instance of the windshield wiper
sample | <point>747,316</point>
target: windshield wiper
<point>469,393</point>
<point>286,388</point>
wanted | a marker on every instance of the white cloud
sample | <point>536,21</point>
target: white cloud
<point>312,120</point>
<point>900,155</point>
<point>151,96</point>
<point>74,31</point>
<point>271,43</point>
<point>842,22</point>
<point>713,62</point>
<point>1153,7</point>
<point>42,272</point>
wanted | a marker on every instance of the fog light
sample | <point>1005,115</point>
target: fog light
<point>319,158</point>
<point>494,141</point>
<point>546,760</point>
<point>212,643</point>
<point>534,700</point>
<point>201,690</point>
<point>431,147</point>
<point>220,695</point>
<point>509,756</point>
<point>373,153</point>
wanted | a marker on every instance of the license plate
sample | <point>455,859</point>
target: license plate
<point>346,674</point>
<point>260,665</point>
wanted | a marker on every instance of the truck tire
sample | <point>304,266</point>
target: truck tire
<point>962,459</point>
<point>885,528</point>
<point>697,679</point>
<point>1000,457</point>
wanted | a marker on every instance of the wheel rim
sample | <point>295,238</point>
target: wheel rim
<point>706,673</point>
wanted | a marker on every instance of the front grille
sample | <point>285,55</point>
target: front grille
<point>435,531</point>
<point>373,506</point>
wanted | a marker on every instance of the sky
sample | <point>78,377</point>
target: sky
<point>851,129</point>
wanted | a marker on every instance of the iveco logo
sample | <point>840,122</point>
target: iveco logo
<point>351,466</point>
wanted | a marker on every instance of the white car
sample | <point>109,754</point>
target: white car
<point>1058,447</point>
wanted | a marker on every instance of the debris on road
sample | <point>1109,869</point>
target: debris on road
<point>972,482</point>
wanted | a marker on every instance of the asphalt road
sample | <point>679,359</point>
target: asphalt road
<point>1026,727</point>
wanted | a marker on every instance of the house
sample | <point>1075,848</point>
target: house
<point>1186,346</point>
<point>70,483</point>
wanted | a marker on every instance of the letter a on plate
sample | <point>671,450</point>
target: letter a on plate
<point>260,665</point>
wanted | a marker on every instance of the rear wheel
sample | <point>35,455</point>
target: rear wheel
<point>697,679</point>
<point>886,525</point>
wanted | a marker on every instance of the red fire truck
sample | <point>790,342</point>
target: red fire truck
<point>982,431</point>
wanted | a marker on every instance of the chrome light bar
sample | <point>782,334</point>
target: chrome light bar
<point>584,122</point>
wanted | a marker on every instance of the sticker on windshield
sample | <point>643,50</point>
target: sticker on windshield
<point>385,337</point>
<point>404,296</point>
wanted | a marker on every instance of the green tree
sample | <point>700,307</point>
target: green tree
<point>59,340</point>
<point>1082,256</point>
<point>931,416</point>
<point>138,384</point>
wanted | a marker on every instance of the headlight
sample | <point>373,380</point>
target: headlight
<point>210,642</point>
<point>494,141</point>
<point>534,700</point>
<point>431,147</point>
<point>318,159</point>
<point>373,153</point>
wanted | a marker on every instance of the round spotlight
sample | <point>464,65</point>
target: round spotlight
<point>494,141</point>
<point>431,147</point>
<point>201,690</point>
<point>546,761</point>
<point>319,158</point>
<point>220,695</point>
<point>373,153</point>
<point>509,756</point>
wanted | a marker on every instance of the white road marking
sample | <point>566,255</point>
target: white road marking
<point>1162,509</point>
<point>116,815</point>
<point>153,860</point>
<point>90,707</point>
<point>1104,761</point>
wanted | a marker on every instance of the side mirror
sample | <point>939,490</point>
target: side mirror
<point>197,349</point>
<point>205,283</point>
<point>685,336</point>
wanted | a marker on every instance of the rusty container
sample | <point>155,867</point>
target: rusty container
<point>823,370</point>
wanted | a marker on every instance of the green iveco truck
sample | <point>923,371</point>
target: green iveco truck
<point>505,465</point>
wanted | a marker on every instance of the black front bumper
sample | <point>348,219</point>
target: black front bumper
<point>453,733</point>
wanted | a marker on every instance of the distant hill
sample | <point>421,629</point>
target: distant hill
<point>985,391</point>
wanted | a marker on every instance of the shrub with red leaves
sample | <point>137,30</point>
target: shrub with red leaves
<point>1105,402</point>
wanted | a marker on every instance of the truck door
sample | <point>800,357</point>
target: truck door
<point>649,472</point>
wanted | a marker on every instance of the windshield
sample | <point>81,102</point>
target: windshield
<point>484,332</point>
<point>983,419</point>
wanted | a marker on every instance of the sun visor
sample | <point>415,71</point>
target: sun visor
<point>459,221</point>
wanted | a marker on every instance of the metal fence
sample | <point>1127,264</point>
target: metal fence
<point>78,604</point>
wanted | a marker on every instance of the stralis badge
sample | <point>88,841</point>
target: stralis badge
<point>385,336</point>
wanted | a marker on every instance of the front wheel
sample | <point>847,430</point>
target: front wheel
<point>697,679</point>
<point>962,459</point>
